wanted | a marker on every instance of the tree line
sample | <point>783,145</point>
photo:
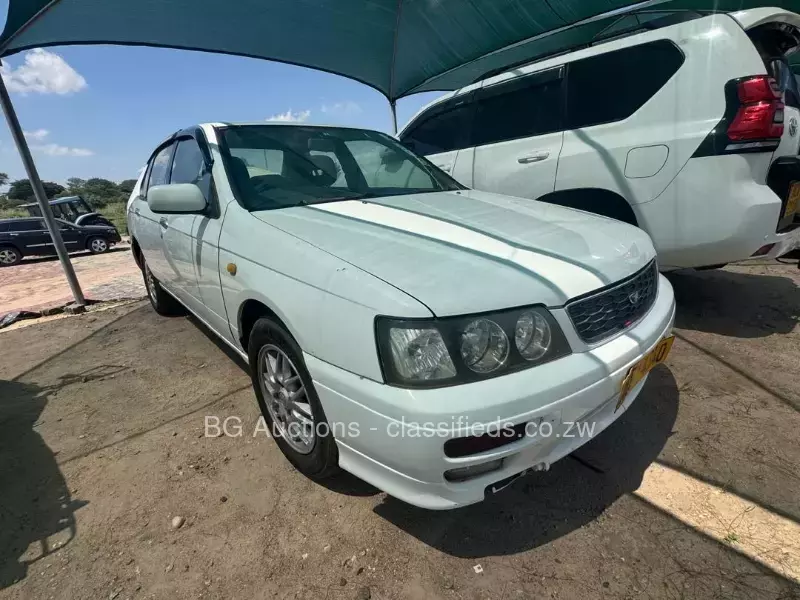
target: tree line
<point>97,191</point>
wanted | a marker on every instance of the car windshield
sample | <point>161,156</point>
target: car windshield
<point>279,166</point>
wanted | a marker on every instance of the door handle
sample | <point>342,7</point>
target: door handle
<point>163,222</point>
<point>136,211</point>
<point>13,234</point>
<point>532,158</point>
<point>445,166</point>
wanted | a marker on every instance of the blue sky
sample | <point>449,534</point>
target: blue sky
<point>98,111</point>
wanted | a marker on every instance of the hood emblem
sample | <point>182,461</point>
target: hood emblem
<point>634,297</point>
<point>792,126</point>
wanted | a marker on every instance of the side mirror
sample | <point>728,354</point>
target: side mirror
<point>178,198</point>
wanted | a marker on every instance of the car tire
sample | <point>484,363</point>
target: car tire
<point>162,302</point>
<point>288,421</point>
<point>97,245</point>
<point>9,256</point>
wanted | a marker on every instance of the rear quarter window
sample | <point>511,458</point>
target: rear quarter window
<point>612,86</point>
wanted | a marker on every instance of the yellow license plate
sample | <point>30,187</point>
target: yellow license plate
<point>637,372</point>
<point>791,203</point>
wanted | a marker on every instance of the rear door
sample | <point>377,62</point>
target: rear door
<point>441,133</point>
<point>518,134</point>
<point>31,236</point>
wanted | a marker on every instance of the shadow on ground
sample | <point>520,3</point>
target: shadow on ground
<point>32,260</point>
<point>35,503</point>
<point>735,304</point>
<point>542,507</point>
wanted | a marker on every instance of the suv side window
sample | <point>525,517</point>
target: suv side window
<point>523,107</point>
<point>612,86</point>
<point>446,130</point>
<point>27,225</point>
<point>160,166</point>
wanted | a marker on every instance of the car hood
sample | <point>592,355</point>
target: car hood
<point>471,251</point>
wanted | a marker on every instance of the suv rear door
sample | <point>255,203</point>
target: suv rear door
<point>31,236</point>
<point>518,134</point>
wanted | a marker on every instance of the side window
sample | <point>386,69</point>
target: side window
<point>159,169</point>
<point>523,107</point>
<point>188,165</point>
<point>28,225</point>
<point>612,86</point>
<point>445,131</point>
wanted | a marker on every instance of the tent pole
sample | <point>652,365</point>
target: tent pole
<point>38,190</point>
<point>393,105</point>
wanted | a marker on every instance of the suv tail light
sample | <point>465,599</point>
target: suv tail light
<point>759,116</point>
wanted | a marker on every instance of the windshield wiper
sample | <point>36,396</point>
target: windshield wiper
<point>341,198</point>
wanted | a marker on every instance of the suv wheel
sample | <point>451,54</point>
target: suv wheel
<point>9,256</point>
<point>97,245</point>
<point>162,302</point>
<point>289,402</point>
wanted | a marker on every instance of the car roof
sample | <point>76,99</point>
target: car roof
<point>285,124</point>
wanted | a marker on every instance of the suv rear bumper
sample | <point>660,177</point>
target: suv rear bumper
<point>714,212</point>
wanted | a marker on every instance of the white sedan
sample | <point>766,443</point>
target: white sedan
<point>436,341</point>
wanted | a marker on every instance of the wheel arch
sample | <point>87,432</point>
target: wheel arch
<point>14,246</point>
<point>137,252</point>
<point>250,311</point>
<point>11,245</point>
<point>599,201</point>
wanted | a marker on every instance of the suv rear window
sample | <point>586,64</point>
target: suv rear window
<point>27,225</point>
<point>612,86</point>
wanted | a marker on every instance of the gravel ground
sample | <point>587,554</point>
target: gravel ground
<point>102,446</point>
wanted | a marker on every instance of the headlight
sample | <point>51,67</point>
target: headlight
<point>454,350</point>
<point>420,354</point>
<point>532,335</point>
<point>484,346</point>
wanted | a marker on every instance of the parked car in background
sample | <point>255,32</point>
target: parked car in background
<point>30,237</point>
<point>683,124</point>
<point>74,209</point>
<point>390,316</point>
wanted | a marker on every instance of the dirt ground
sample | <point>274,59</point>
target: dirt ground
<point>693,493</point>
<point>38,282</point>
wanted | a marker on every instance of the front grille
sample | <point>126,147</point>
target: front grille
<point>612,309</point>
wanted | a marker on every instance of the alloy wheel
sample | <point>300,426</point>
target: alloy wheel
<point>151,284</point>
<point>286,399</point>
<point>7,256</point>
<point>99,245</point>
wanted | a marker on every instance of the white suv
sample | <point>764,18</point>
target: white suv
<point>674,122</point>
<point>433,340</point>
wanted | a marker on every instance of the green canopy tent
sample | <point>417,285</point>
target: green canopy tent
<point>398,47</point>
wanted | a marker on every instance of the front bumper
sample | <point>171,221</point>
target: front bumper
<point>394,438</point>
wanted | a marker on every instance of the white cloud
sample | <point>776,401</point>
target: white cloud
<point>37,135</point>
<point>290,116</point>
<point>57,150</point>
<point>347,108</point>
<point>42,72</point>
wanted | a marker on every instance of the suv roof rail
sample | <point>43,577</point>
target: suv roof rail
<point>608,33</point>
